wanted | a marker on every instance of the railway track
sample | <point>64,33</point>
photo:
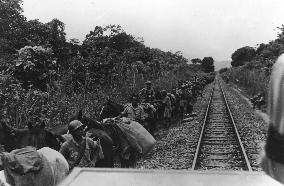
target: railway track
<point>219,146</point>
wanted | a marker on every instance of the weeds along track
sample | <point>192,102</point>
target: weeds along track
<point>219,146</point>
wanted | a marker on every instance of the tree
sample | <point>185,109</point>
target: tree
<point>222,70</point>
<point>56,38</point>
<point>242,55</point>
<point>275,48</point>
<point>12,26</point>
<point>98,39</point>
<point>35,66</point>
<point>122,41</point>
<point>137,54</point>
<point>36,33</point>
<point>111,36</point>
<point>74,47</point>
<point>196,61</point>
<point>110,46</point>
<point>208,64</point>
<point>16,32</point>
<point>280,35</point>
<point>260,48</point>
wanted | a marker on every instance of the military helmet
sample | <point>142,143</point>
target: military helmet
<point>74,125</point>
<point>164,92</point>
<point>134,98</point>
<point>148,83</point>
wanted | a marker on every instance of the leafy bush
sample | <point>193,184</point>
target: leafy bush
<point>35,66</point>
<point>208,64</point>
<point>241,55</point>
<point>222,70</point>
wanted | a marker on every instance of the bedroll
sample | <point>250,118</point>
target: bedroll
<point>134,129</point>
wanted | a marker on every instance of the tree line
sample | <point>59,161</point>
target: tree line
<point>252,66</point>
<point>44,73</point>
<point>262,52</point>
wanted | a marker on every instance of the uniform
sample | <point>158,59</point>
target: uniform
<point>71,150</point>
<point>147,95</point>
<point>182,100</point>
<point>167,102</point>
<point>134,113</point>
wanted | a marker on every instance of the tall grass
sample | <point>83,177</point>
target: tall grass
<point>56,106</point>
<point>251,81</point>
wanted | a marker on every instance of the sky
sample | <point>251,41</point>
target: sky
<point>197,28</point>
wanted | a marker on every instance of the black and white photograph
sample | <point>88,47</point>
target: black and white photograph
<point>141,92</point>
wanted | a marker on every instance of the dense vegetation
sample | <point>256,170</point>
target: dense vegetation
<point>47,76</point>
<point>251,66</point>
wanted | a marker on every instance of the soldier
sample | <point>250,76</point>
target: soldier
<point>260,101</point>
<point>190,100</point>
<point>134,111</point>
<point>80,150</point>
<point>255,100</point>
<point>182,101</point>
<point>147,94</point>
<point>167,109</point>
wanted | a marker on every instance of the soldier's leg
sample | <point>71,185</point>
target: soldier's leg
<point>182,113</point>
<point>169,122</point>
<point>152,126</point>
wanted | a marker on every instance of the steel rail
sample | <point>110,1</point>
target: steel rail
<point>202,130</point>
<point>236,130</point>
<point>239,142</point>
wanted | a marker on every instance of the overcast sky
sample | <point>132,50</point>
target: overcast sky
<point>197,28</point>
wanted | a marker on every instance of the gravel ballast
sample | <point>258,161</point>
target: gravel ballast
<point>252,128</point>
